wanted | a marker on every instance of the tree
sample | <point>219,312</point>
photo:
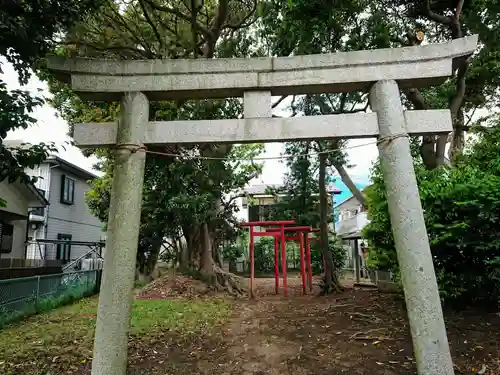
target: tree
<point>461,210</point>
<point>27,32</point>
<point>475,82</point>
<point>185,189</point>
<point>310,27</point>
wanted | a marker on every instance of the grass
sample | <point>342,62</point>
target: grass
<point>65,335</point>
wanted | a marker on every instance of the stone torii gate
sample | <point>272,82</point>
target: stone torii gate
<point>380,72</point>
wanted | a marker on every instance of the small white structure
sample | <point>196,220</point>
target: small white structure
<point>351,217</point>
<point>14,217</point>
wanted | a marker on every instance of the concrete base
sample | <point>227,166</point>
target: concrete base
<point>389,287</point>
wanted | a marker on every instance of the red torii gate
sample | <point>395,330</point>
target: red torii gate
<point>306,230</point>
<point>281,233</point>
<point>301,230</point>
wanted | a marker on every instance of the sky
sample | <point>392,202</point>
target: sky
<point>51,128</point>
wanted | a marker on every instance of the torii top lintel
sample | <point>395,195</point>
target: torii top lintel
<point>416,66</point>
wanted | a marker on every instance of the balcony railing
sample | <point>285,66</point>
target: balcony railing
<point>352,225</point>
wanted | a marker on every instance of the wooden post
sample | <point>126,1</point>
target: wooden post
<point>283,258</point>
<point>302,264</point>
<point>252,261</point>
<point>356,260</point>
<point>309,267</point>
<point>276,265</point>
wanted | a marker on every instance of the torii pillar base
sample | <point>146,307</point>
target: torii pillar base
<point>430,343</point>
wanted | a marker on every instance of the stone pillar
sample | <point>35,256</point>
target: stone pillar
<point>430,343</point>
<point>115,300</point>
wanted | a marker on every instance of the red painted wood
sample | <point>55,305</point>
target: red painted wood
<point>290,229</point>
<point>252,265</point>
<point>276,267</point>
<point>283,260</point>
<point>266,234</point>
<point>309,267</point>
<point>266,223</point>
<point>302,263</point>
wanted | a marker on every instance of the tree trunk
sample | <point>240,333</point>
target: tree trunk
<point>212,273</point>
<point>186,260</point>
<point>206,262</point>
<point>458,136</point>
<point>331,282</point>
<point>346,179</point>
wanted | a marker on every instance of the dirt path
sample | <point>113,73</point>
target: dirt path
<point>314,335</point>
<point>359,332</point>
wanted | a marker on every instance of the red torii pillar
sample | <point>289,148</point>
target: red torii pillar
<point>300,230</point>
<point>281,230</point>
<point>308,254</point>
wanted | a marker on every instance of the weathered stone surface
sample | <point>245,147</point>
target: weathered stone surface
<point>220,78</point>
<point>423,304</point>
<point>115,299</point>
<point>249,130</point>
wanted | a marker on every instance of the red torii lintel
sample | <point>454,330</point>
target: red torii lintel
<point>281,224</point>
<point>300,230</point>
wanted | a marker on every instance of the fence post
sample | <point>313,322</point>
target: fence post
<point>98,276</point>
<point>37,297</point>
<point>86,284</point>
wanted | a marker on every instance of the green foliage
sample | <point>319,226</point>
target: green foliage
<point>67,333</point>
<point>264,255</point>
<point>27,33</point>
<point>236,248</point>
<point>339,254</point>
<point>462,213</point>
<point>299,198</point>
<point>180,192</point>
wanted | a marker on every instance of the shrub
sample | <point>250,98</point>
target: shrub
<point>462,214</point>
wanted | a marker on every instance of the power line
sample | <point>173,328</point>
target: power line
<point>262,158</point>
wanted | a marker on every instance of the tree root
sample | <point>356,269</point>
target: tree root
<point>227,282</point>
<point>334,287</point>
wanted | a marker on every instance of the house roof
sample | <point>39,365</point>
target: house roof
<point>345,201</point>
<point>29,192</point>
<point>54,159</point>
<point>350,197</point>
<point>31,187</point>
<point>261,189</point>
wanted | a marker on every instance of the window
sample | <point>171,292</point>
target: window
<point>67,190</point>
<point>63,249</point>
<point>253,213</point>
<point>6,237</point>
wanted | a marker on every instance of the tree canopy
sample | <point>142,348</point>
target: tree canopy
<point>189,192</point>
<point>28,31</point>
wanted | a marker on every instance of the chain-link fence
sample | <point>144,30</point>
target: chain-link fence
<point>29,295</point>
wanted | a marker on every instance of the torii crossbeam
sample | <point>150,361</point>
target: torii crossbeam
<point>380,72</point>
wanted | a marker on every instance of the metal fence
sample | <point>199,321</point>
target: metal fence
<point>29,295</point>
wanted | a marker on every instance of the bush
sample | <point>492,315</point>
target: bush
<point>264,255</point>
<point>339,254</point>
<point>462,214</point>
